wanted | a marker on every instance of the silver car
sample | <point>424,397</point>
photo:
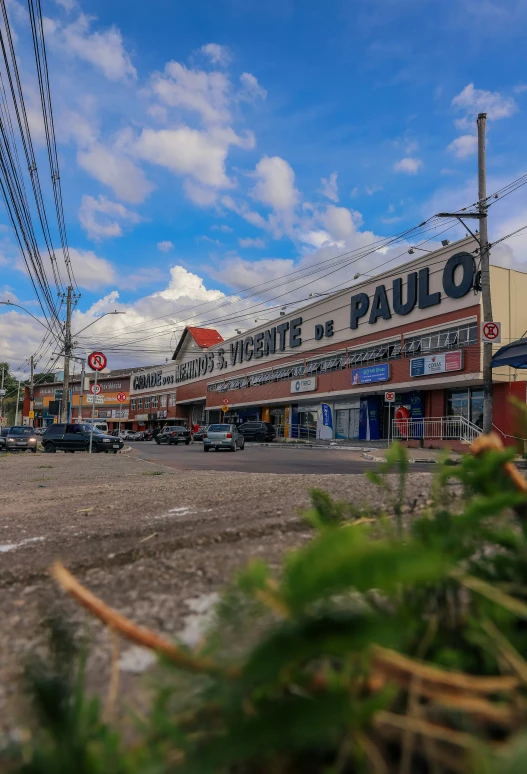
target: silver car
<point>19,438</point>
<point>223,437</point>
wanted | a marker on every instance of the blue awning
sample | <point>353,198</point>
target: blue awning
<point>514,355</point>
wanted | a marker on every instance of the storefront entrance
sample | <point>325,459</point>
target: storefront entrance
<point>347,423</point>
<point>467,403</point>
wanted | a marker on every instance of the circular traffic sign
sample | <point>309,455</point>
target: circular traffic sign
<point>95,389</point>
<point>389,397</point>
<point>225,401</point>
<point>121,397</point>
<point>491,330</point>
<point>97,361</point>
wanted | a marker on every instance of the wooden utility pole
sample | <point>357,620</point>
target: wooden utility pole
<point>67,354</point>
<point>485,272</point>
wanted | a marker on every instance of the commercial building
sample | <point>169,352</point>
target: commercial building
<point>48,400</point>
<point>324,369</point>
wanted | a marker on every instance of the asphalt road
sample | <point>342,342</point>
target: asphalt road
<point>259,459</point>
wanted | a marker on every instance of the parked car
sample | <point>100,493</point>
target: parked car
<point>199,433</point>
<point>18,438</point>
<point>257,431</point>
<point>174,434</point>
<point>72,438</point>
<point>223,437</point>
<point>129,435</point>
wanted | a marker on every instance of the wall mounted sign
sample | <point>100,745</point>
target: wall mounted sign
<point>304,385</point>
<point>436,364</point>
<point>369,374</point>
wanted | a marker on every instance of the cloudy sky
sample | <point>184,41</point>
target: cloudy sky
<point>217,156</point>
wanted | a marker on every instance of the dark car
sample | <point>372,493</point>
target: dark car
<point>174,434</point>
<point>257,431</point>
<point>18,438</point>
<point>72,438</point>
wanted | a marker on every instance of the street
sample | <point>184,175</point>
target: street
<point>255,458</point>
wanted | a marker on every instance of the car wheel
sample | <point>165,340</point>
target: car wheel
<point>95,450</point>
<point>233,447</point>
<point>49,448</point>
<point>34,450</point>
<point>260,437</point>
<point>205,448</point>
<point>158,442</point>
<point>242,447</point>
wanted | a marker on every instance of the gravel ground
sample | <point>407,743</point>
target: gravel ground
<point>151,541</point>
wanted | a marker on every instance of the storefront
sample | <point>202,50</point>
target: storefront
<point>324,369</point>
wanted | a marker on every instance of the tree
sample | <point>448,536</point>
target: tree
<point>11,387</point>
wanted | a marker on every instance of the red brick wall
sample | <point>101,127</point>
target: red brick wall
<point>504,415</point>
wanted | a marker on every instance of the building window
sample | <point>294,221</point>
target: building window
<point>155,401</point>
<point>139,403</point>
<point>463,335</point>
<point>147,403</point>
<point>172,399</point>
<point>163,403</point>
<point>132,404</point>
<point>466,403</point>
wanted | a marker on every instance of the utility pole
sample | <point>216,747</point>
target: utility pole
<point>32,390</point>
<point>17,402</point>
<point>81,390</point>
<point>2,398</point>
<point>67,355</point>
<point>485,272</point>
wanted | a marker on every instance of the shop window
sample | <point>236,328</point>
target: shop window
<point>139,403</point>
<point>459,336</point>
<point>155,401</point>
<point>147,403</point>
<point>132,404</point>
<point>466,403</point>
<point>163,400</point>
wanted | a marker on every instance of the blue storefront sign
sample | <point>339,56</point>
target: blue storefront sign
<point>369,374</point>
<point>327,419</point>
<point>417,366</point>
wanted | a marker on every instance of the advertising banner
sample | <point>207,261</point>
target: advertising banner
<point>304,385</point>
<point>369,374</point>
<point>436,364</point>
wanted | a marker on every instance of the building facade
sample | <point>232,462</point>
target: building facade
<point>325,368</point>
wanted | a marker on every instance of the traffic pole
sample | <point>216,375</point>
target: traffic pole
<point>17,401</point>
<point>67,354</point>
<point>485,272</point>
<point>93,410</point>
<point>32,390</point>
<point>81,391</point>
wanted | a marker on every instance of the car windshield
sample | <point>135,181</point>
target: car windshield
<point>87,429</point>
<point>219,428</point>
<point>21,431</point>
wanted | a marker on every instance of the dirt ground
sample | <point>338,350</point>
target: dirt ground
<point>153,542</point>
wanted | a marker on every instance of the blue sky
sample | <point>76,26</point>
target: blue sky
<point>206,147</point>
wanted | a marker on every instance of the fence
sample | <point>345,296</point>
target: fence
<point>303,432</point>
<point>455,428</point>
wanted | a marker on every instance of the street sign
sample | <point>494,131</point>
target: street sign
<point>2,393</point>
<point>491,332</point>
<point>95,389</point>
<point>31,414</point>
<point>389,397</point>
<point>121,397</point>
<point>97,361</point>
<point>225,401</point>
<point>224,409</point>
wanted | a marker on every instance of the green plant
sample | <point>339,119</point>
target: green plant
<point>384,645</point>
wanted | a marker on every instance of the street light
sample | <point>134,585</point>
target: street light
<point>415,247</point>
<point>361,274</point>
<point>10,303</point>
<point>96,320</point>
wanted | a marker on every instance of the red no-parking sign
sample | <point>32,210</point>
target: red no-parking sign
<point>389,397</point>
<point>97,361</point>
<point>121,397</point>
<point>491,332</point>
<point>95,389</point>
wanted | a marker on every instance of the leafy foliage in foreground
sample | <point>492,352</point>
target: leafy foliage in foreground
<point>386,645</point>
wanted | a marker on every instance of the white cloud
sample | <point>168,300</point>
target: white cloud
<point>225,229</point>
<point>217,54</point>
<point>201,195</point>
<point>91,272</point>
<point>339,222</point>
<point>186,151</point>
<point>206,238</point>
<point>158,113</point>
<point>276,183</point>
<point>251,89</point>
<point>165,246</point>
<point>330,188</point>
<point>473,101</point>
<point>354,192</point>
<point>249,242</point>
<point>373,189</point>
<point>464,146</point>
<point>408,166</point>
<point>198,91</point>
<point>68,5</point>
<point>520,88</point>
<point>102,218</point>
<point>104,50</point>
<point>116,171</point>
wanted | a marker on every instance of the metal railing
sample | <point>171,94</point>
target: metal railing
<point>455,428</point>
<point>301,432</point>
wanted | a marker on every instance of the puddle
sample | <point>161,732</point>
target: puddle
<point>14,546</point>
<point>200,618</point>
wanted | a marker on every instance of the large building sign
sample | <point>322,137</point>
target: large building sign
<point>418,290</point>
<point>436,364</point>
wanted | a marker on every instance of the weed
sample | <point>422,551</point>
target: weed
<point>153,473</point>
